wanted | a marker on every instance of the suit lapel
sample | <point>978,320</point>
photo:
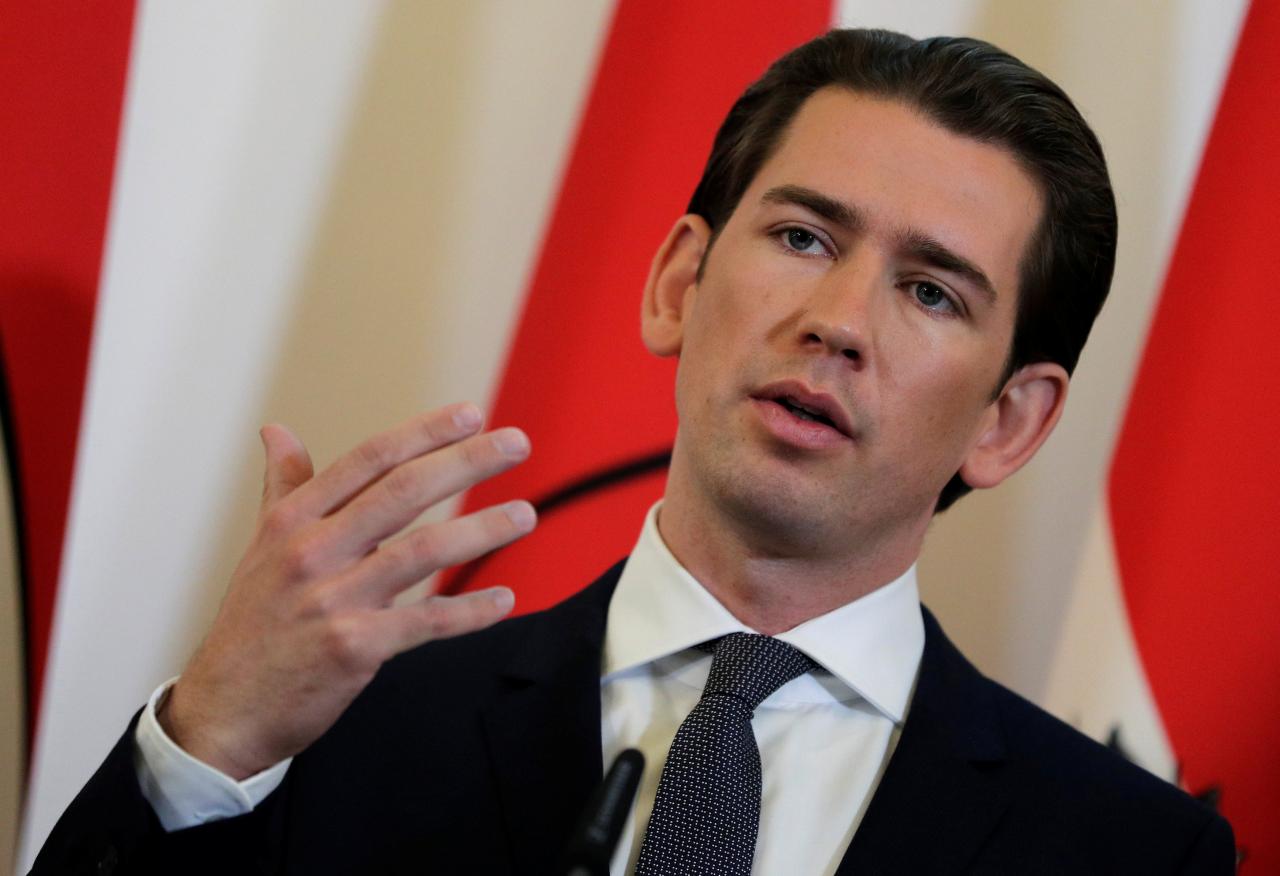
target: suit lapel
<point>542,727</point>
<point>943,791</point>
<point>940,797</point>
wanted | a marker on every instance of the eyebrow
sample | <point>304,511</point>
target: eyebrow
<point>845,215</point>
<point>929,250</point>
<point>914,243</point>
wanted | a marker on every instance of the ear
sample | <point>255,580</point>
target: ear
<point>673,277</point>
<point>1018,422</point>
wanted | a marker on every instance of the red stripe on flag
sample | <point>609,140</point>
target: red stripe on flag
<point>62,74</point>
<point>578,379</point>
<point>1195,479</point>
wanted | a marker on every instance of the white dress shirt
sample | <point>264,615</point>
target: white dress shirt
<point>824,737</point>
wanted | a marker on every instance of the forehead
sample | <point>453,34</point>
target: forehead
<point>902,170</point>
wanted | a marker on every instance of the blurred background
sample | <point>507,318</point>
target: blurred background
<point>336,214</point>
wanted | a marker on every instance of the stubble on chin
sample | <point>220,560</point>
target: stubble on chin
<point>783,508</point>
<point>779,514</point>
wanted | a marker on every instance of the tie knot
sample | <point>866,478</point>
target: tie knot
<point>749,666</point>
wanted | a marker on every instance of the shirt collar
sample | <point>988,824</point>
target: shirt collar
<point>872,645</point>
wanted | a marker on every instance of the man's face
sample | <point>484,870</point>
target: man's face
<point>839,355</point>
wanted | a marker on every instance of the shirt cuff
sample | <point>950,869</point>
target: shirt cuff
<point>185,791</point>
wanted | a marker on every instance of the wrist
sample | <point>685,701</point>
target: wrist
<point>194,735</point>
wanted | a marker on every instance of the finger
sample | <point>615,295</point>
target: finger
<point>440,617</point>
<point>288,463</point>
<point>427,549</point>
<point>403,493</point>
<point>353,471</point>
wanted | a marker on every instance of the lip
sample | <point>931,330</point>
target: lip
<point>809,431</point>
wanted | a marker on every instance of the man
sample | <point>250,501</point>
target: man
<point>883,282</point>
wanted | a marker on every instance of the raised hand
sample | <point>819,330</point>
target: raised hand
<point>308,616</point>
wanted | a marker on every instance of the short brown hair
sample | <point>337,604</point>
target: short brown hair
<point>974,89</point>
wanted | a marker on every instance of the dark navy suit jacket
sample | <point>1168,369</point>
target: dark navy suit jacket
<point>477,754</point>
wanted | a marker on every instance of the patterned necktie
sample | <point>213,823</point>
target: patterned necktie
<point>707,811</point>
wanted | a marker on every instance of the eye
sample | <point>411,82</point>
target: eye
<point>802,241</point>
<point>933,297</point>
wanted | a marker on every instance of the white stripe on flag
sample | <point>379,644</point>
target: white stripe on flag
<point>1096,682</point>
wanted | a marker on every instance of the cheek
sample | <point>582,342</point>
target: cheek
<point>961,425</point>
<point>700,368</point>
<point>937,391</point>
<point>726,320</point>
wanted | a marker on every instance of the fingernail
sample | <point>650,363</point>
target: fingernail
<point>512,442</point>
<point>467,417</point>
<point>521,514</point>
<point>504,599</point>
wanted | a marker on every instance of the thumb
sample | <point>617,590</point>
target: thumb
<point>288,463</point>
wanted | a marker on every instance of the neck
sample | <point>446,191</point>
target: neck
<point>769,585</point>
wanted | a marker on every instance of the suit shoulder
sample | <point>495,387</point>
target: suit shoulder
<point>1078,773</point>
<point>1045,753</point>
<point>1037,737</point>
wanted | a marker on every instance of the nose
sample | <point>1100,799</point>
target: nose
<point>837,316</point>
<point>835,337</point>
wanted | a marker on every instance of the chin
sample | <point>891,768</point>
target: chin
<point>782,514</point>
<point>785,512</point>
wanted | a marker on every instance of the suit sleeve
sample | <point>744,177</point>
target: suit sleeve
<point>110,828</point>
<point>182,790</point>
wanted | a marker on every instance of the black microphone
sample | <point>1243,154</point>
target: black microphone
<point>596,835</point>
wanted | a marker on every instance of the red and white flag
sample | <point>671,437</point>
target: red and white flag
<point>1183,573</point>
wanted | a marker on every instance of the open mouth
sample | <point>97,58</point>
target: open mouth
<point>810,417</point>
<point>804,413</point>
